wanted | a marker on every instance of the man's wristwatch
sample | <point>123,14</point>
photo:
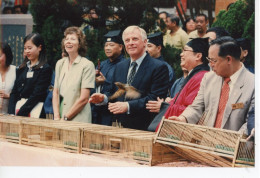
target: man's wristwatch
<point>66,118</point>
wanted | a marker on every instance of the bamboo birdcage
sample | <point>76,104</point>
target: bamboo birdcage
<point>53,134</point>
<point>10,129</point>
<point>87,138</point>
<point>207,145</point>
<point>126,143</point>
<point>246,154</point>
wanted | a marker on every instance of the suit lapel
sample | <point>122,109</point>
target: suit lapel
<point>141,72</point>
<point>215,100</point>
<point>234,96</point>
<point>124,69</point>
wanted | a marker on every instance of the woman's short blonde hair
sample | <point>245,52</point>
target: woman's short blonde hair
<point>81,37</point>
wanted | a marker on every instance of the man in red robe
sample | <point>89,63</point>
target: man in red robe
<point>193,58</point>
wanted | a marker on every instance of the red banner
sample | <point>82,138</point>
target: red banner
<point>21,2</point>
<point>184,6</point>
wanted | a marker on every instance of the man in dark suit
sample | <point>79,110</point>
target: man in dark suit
<point>148,75</point>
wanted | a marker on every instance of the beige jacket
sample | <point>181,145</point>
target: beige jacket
<point>234,118</point>
<point>81,75</point>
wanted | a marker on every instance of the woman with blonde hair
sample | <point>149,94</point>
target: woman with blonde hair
<point>75,76</point>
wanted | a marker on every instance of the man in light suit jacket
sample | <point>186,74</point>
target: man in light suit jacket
<point>150,79</point>
<point>224,58</point>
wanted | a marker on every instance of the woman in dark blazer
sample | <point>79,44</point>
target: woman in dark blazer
<point>33,77</point>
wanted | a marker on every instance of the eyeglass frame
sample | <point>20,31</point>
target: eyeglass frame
<point>212,60</point>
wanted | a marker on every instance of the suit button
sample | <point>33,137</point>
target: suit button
<point>64,103</point>
<point>22,84</point>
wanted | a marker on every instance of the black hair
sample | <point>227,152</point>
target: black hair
<point>7,8</point>
<point>164,12</point>
<point>174,18</point>
<point>23,8</point>
<point>97,10</point>
<point>200,45</point>
<point>220,31</point>
<point>206,18</point>
<point>186,21</point>
<point>18,6</point>
<point>245,44</point>
<point>37,40</point>
<point>227,46</point>
<point>6,49</point>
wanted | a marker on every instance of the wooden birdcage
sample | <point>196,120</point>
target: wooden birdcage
<point>53,134</point>
<point>10,129</point>
<point>246,154</point>
<point>127,143</point>
<point>207,145</point>
<point>87,138</point>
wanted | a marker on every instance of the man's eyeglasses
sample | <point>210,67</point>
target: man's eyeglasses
<point>211,60</point>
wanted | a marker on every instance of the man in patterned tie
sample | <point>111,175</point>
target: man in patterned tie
<point>148,75</point>
<point>227,93</point>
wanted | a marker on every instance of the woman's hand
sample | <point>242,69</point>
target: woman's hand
<point>56,116</point>
<point>4,95</point>
<point>79,103</point>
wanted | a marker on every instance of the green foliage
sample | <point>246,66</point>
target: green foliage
<point>172,56</point>
<point>53,45</point>
<point>51,18</point>
<point>95,45</point>
<point>238,21</point>
<point>233,20</point>
<point>249,32</point>
<point>218,22</point>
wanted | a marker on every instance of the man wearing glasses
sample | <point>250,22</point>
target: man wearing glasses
<point>193,59</point>
<point>226,93</point>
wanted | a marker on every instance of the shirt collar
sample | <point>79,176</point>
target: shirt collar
<point>235,76</point>
<point>29,64</point>
<point>116,60</point>
<point>139,60</point>
<point>77,60</point>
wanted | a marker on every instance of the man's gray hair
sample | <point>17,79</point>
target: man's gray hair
<point>174,18</point>
<point>133,28</point>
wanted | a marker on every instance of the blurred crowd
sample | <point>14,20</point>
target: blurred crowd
<point>14,6</point>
